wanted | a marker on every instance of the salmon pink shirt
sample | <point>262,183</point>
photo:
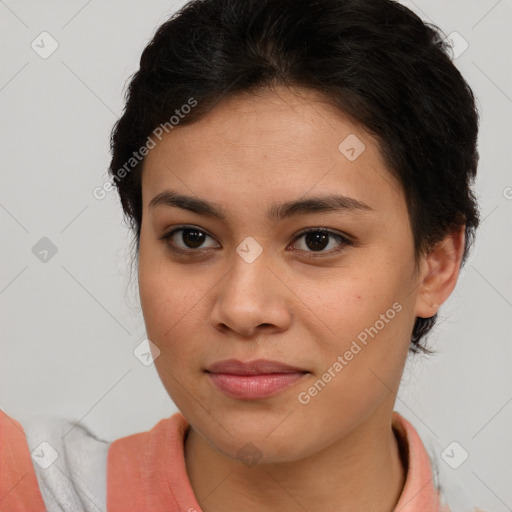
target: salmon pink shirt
<point>146,471</point>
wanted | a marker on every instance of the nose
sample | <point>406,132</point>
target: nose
<point>250,298</point>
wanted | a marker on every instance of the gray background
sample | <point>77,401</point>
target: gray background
<point>69,325</point>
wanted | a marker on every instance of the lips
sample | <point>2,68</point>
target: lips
<point>253,380</point>
<point>257,367</point>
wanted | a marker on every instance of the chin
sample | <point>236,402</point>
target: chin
<point>257,442</point>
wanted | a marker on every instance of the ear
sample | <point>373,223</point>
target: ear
<point>439,273</point>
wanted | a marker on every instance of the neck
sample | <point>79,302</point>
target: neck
<point>362,471</point>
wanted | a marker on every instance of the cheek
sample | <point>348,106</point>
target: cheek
<point>344,307</point>
<point>363,354</point>
<point>164,296</point>
<point>170,317</point>
<point>366,321</point>
<point>173,304</point>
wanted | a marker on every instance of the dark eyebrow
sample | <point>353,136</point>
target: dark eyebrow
<point>316,204</point>
<point>326,203</point>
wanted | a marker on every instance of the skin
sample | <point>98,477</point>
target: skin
<point>339,451</point>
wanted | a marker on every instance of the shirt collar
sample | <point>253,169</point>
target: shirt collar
<point>146,471</point>
<point>419,492</point>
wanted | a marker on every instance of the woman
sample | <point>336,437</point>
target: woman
<point>298,178</point>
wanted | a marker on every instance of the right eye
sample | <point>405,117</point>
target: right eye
<point>186,239</point>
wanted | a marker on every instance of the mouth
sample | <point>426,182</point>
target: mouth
<point>254,379</point>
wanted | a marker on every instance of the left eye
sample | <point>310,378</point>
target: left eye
<point>316,240</point>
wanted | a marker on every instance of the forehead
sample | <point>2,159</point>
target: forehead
<point>272,142</point>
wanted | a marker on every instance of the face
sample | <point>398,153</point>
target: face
<point>327,286</point>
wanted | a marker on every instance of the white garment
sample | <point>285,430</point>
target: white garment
<point>77,480</point>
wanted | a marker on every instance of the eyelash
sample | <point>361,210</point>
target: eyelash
<point>166,237</point>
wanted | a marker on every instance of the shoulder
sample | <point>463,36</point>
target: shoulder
<point>68,461</point>
<point>131,453</point>
<point>423,473</point>
<point>146,470</point>
<point>19,490</point>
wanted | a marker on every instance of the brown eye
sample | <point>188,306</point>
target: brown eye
<point>317,240</point>
<point>186,239</point>
<point>192,238</point>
